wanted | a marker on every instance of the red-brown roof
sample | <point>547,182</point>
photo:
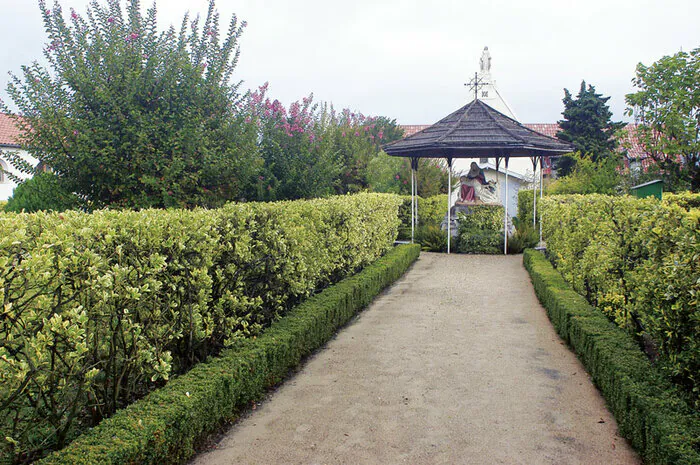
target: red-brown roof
<point>9,132</point>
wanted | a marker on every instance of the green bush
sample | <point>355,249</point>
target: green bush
<point>481,231</point>
<point>166,426</point>
<point>431,211</point>
<point>3,204</point>
<point>432,238</point>
<point>649,410</point>
<point>637,261</point>
<point>687,200</point>
<point>41,192</point>
<point>101,308</point>
<point>524,237</point>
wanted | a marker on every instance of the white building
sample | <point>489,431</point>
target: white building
<point>9,142</point>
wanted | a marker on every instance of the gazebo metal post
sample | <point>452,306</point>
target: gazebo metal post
<point>541,189</point>
<point>414,195</point>
<point>449,201</point>
<point>505,214</point>
<point>413,211</point>
<point>534,192</point>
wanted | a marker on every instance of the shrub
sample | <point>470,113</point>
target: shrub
<point>481,231</point>
<point>650,412</point>
<point>100,308</point>
<point>165,426</point>
<point>431,212</point>
<point>41,192</point>
<point>524,237</point>
<point>637,261</point>
<point>686,200</point>
<point>589,177</point>
<point>432,238</point>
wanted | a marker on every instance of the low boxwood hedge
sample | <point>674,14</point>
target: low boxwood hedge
<point>167,425</point>
<point>649,410</point>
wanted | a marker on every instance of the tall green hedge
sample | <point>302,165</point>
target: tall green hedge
<point>431,212</point>
<point>481,231</point>
<point>101,308</point>
<point>639,262</point>
<point>165,426</point>
<point>649,410</point>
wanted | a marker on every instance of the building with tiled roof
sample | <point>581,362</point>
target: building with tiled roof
<point>9,142</point>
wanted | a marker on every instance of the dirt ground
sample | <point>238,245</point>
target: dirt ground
<point>456,363</point>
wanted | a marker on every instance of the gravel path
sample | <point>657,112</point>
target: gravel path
<point>456,363</point>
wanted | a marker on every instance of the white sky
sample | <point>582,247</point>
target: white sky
<point>409,59</point>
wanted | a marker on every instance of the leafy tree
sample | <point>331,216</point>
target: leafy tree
<point>393,175</point>
<point>41,192</point>
<point>667,110</point>
<point>587,126</point>
<point>589,177</point>
<point>128,116</point>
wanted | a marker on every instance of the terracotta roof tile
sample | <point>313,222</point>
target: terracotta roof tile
<point>9,132</point>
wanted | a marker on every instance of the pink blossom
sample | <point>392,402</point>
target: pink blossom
<point>405,181</point>
<point>247,119</point>
<point>261,178</point>
<point>75,132</point>
<point>48,12</point>
<point>73,14</point>
<point>357,133</point>
<point>311,137</point>
<point>343,133</point>
<point>397,177</point>
<point>110,20</point>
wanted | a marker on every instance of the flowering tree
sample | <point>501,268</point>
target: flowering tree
<point>128,116</point>
<point>310,150</point>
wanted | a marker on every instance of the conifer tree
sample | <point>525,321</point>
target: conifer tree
<point>587,125</point>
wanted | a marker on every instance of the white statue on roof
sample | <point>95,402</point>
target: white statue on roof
<point>485,61</point>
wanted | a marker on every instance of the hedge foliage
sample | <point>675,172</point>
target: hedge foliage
<point>481,231</point>
<point>648,408</point>
<point>431,212</point>
<point>687,200</point>
<point>166,425</point>
<point>525,205</point>
<point>639,262</point>
<point>100,308</point>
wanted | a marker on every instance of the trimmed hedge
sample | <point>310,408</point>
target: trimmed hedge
<point>99,309</point>
<point>481,231</point>
<point>686,200</point>
<point>431,212</point>
<point>649,410</point>
<point>166,426</point>
<point>636,260</point>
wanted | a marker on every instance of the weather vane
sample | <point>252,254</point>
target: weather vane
<point>474,85</point>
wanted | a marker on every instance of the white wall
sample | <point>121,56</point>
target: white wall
<point>7,185</point>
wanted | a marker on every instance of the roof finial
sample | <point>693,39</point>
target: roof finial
<point>475,84</point>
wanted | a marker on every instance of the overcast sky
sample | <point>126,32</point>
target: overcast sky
<point>409,59</point>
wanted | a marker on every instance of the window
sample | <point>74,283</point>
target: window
<point>483,161</point>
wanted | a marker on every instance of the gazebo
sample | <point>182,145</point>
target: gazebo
<point>476,130</point>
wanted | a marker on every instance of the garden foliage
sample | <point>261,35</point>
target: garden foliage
<point>42,192</point>
<point>649,410</point>
<point>431,212</point>
<point>100,308</point>
<point>130,116</point>
<point>639,262</point>
<point>481,231</point>
<point>167,425</point>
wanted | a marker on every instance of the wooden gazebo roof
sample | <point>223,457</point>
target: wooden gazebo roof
<point>476,130</point>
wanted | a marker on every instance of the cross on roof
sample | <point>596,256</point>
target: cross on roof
<point>474,85</point>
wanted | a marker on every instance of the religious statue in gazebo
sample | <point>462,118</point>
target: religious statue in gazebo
<point>475,189</point>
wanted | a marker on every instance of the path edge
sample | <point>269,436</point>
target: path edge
<point>167,425</point>
<point>649,411</point>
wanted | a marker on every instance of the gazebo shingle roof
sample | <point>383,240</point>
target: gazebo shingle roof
<point>475,130</point>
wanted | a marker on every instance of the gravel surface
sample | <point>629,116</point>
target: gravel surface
<point>456,363</point>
